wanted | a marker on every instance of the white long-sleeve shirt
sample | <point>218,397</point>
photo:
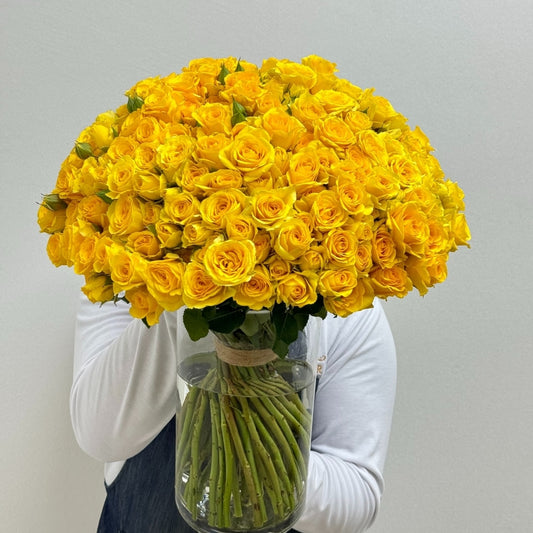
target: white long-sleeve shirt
<point>124,393</point>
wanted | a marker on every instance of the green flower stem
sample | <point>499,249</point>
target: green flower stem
<point>227,450</point>
<point>298,426</point>
<point>217,462</point>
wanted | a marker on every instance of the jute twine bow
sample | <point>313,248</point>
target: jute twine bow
<point>243,357</point>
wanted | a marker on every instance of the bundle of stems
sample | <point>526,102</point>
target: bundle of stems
<point>244,436</point>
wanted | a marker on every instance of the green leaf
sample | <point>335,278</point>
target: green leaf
<point>134,103</point>
<point>83,150</point>
<point>280,348</point>
<point>315,309</point>
<point>239,113</point>
<point>285,324</point>
<point>103,196</point>
<point>226,319</point>
<point>222,74</point>
<point>195,323</point>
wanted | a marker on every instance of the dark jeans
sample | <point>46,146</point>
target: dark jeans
<point>141,499</point>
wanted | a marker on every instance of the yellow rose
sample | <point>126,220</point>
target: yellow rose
<point>409,228</point>
<point>250,152</point>
<point>159,104</point>
<point>437,268</point>
<point>417,270</point>
<point>324,69</point>
<point>213,118</point>
<point>221,204</point>
<point>383,115</point>
<point>120,177</point>
<point>190,176</point>
<point>92,176</point>
<point>130,123</point>
<point>373,145</point>
<point>181,207</point>
<point>262,245</point>
<point>125,215</point>
<point>164,281</point>
<point>269,99</point>
<point>148,129</point>
<point>172,155</point>
<point>313,259</point>
<point>460,230</point>
<point>289,73</point>
<point>199,290</point>
<point>196,234</point>
<point>208,149</point>
<point>84,258</point>
<point>258,292</point>
<point>125,268</point>
<point>243,87</point>
<point>327,211</point>
<point>169,234</point>
<point>341,247</point>
<point>278,267</point>
<point>304,168</point>
<point>357,121</point>
<point>335,102</point>
<point>308,110</point>
<point>407,172</point>
<point>392,281</point>
<point>120,147</point>
<point>51,220</point>
<point>230,262</point>
<point>383,248</point>
<point>337,283</point>
<point>151,212</point>
<point>143,305</point>
<point>439,238</point>
<point>292,239</point>
<point>269,209</point>
<point>145,155</point>
<point>383,184</point>
<point>54,249</point>
<point>360,297</point>
<point>363,257</point>
<point>101,257</point>
<point>145,243</point>
<point>149,185</point>
<point>354,198</point>
<point>98,288</point>
<point>93,209</point>
<point>219,180</point>
<point>240,227</point>
<point>334,132</point>
<point>297,289</point>
<point>284,129</point>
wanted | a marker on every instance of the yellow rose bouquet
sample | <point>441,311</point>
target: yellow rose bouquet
<point>255,197</point>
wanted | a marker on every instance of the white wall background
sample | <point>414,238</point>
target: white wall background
<point>461,454</point>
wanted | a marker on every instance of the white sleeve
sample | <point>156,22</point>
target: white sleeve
<point>351,427</point>
<point>124,386</point>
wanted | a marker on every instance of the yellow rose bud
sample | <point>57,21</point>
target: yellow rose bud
<point>337,283</point>
<point>125,215</point>
<point>125,268</point>
<point>181,207</point>
<point>258,292</point>
<point>341,247</point>
<point>143,305</point>
<point>199,289</point>
<point>270,208</point>
<point>145,243</point>
<point>392,281</point>
<point>298,289</point>
<point>164,281</point>
<point>359,298</point>
<point>98,288</point>
<point>292,239</point>
<point>221,204</point>
<point>250,152</point>
<point>230,262</point>
<point>49,220</point>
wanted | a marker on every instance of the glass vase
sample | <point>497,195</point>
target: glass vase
<point>244,431</point>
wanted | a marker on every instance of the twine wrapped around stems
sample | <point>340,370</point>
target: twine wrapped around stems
<point>238,357</point>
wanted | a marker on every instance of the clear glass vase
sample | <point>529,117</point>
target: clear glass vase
<point>244,431</point>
